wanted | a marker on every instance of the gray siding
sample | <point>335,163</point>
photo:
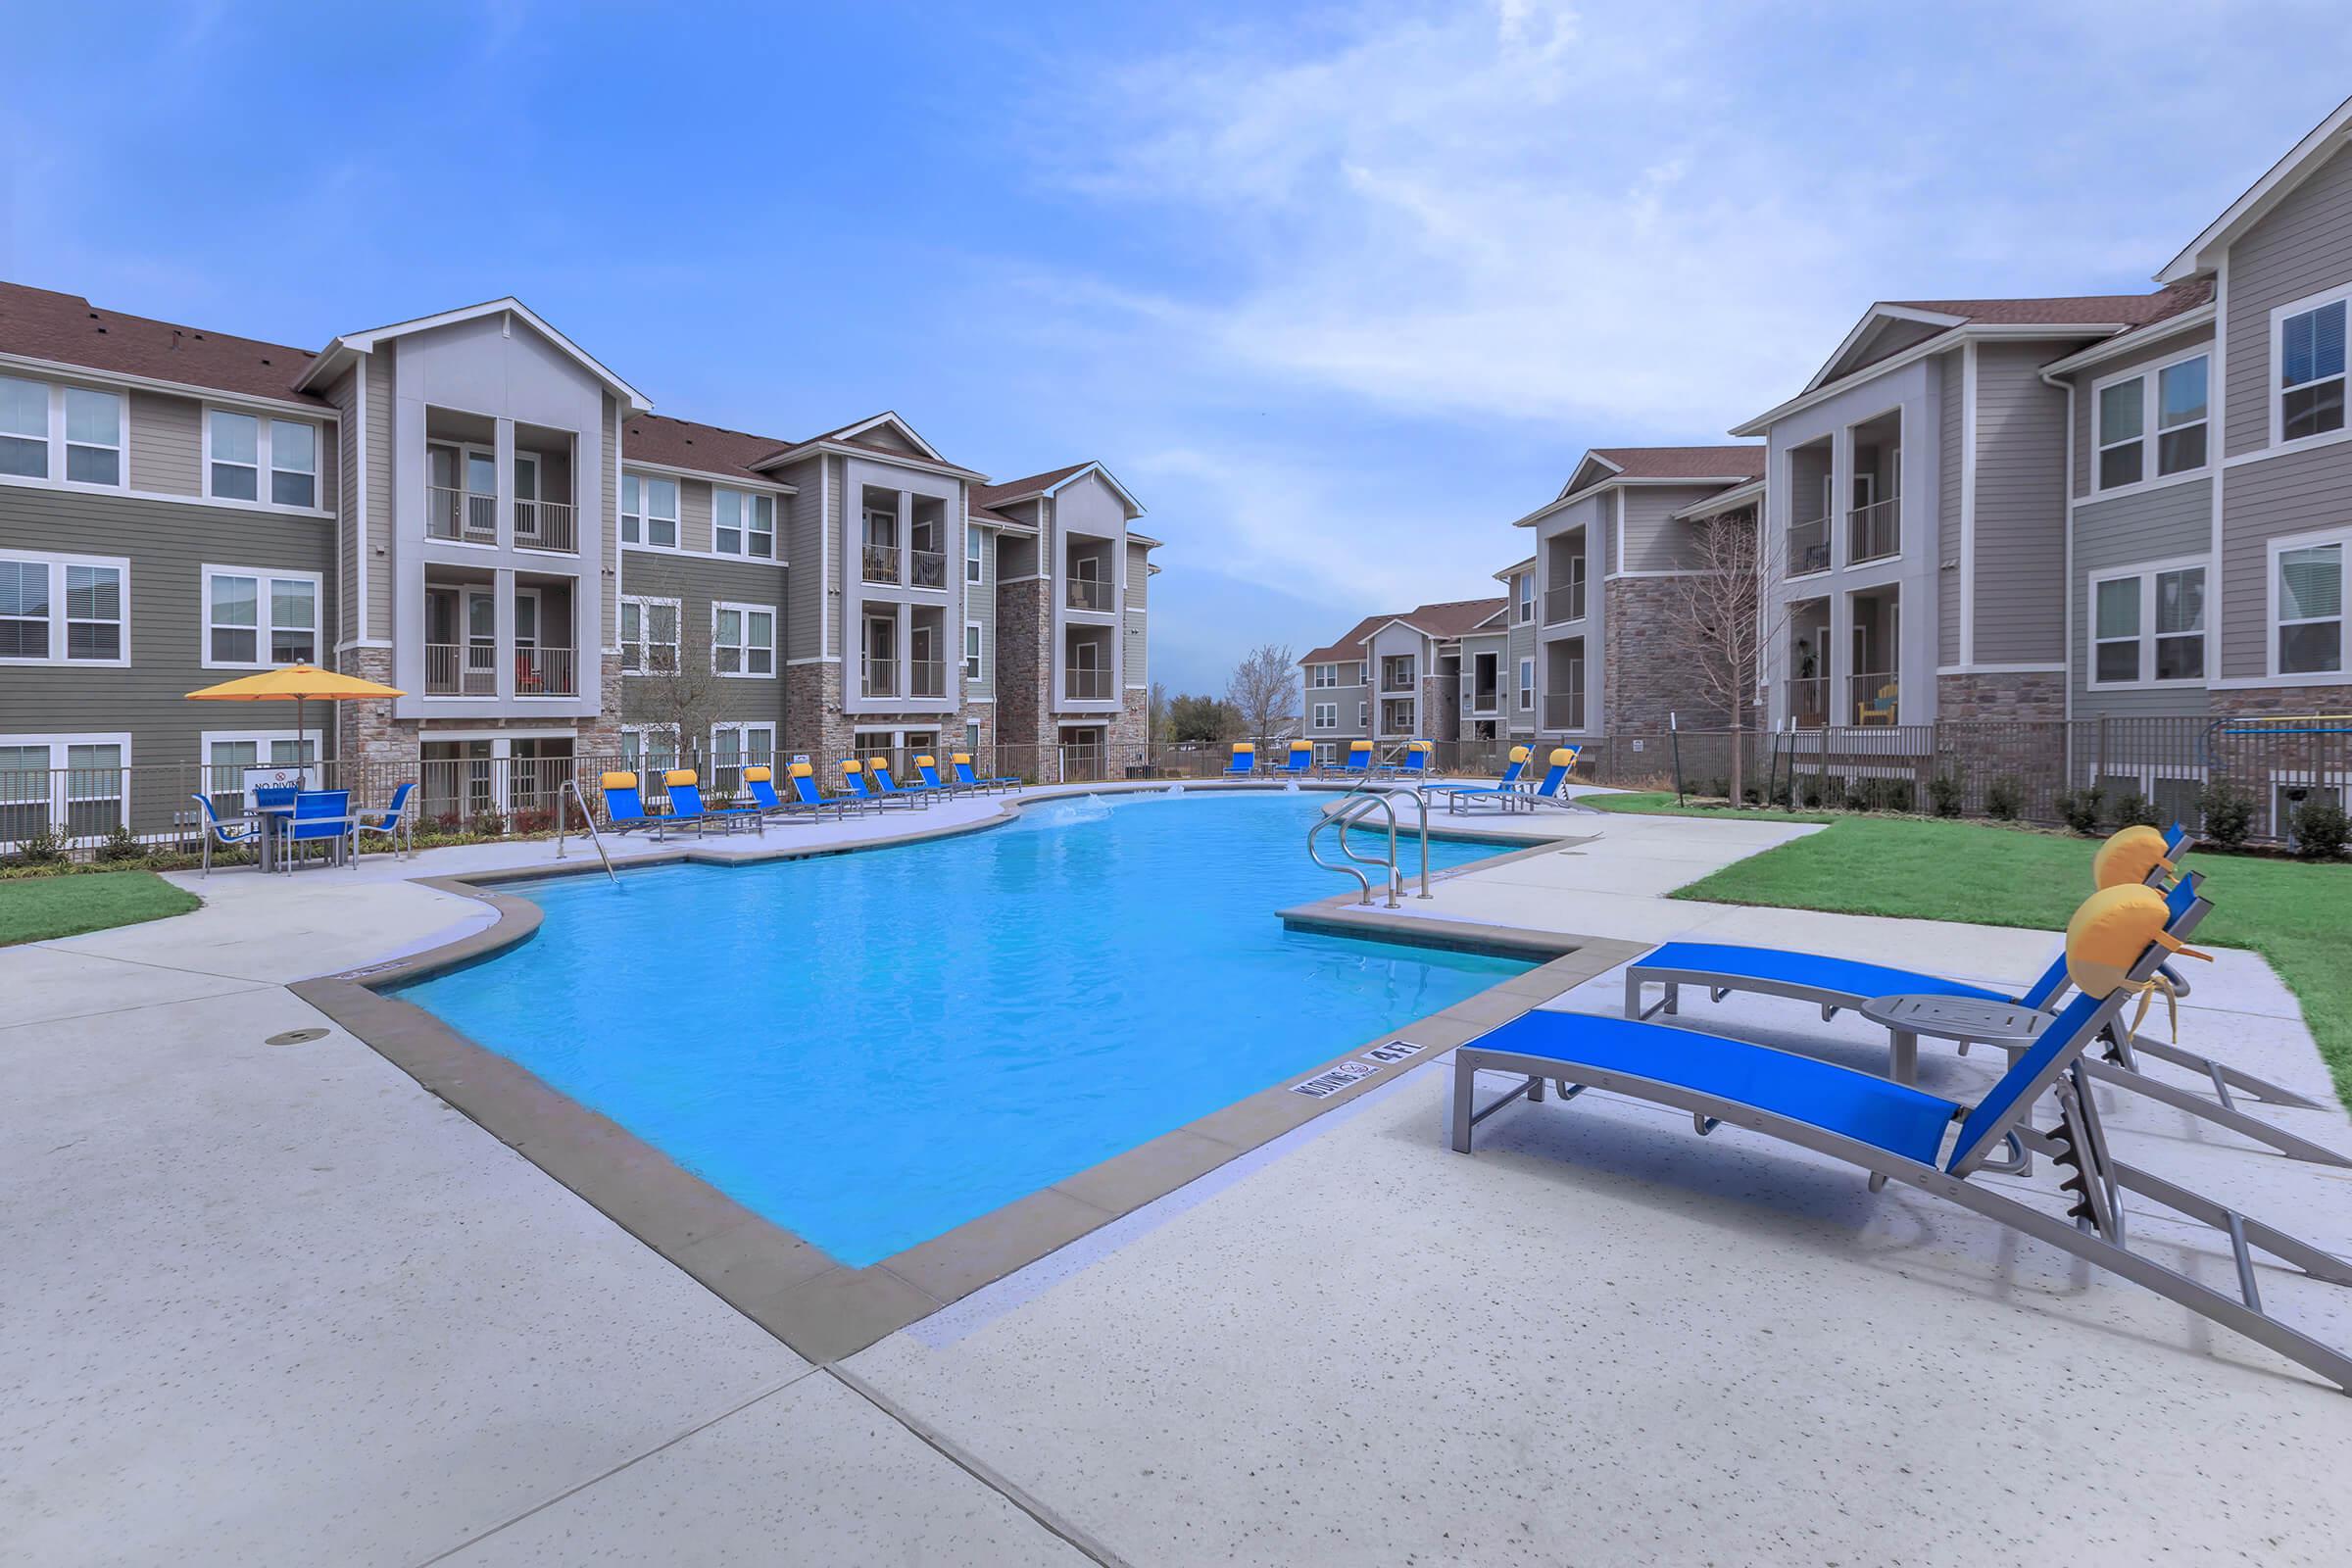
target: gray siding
<point>697,583</point>
<point>344,395</point>
<point>980,604</point>
<point>803,545</point>
<point>379,493</point>
<point>1135,657</point>
<point>1951,414</point>
<point>2156,525</point>
<point>609,483</point>
<point>2085,457</point>
<point>166,444</point>
<point>2021,507</point>
<point>1522,645</point>
<point>2261,501</point>
<point>1653,542</point>
<point>2302,246</point>
<point>694,514</point>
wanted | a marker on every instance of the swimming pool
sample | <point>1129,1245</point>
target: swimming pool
<point>872,1049</point>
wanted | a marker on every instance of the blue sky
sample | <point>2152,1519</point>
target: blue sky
<point>1337,292</point>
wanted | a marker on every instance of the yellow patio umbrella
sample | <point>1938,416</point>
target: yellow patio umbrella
<point>297,684</point>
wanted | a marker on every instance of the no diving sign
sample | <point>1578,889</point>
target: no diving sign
<point>1355,1069</point>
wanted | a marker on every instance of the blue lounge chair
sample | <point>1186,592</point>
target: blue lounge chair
<point>862,788</point>
<point>1243,762</point>
<point>320,817</point>
<point>1300,762</point>
<point>1357,763</point>
<point>684,787</point>
<point>216,831</point>
<point>1413,765</point>
<point>761,784</point>
<point>805,794</point>
<point>877,773</point>
<point>624,804</point>
<point>961,761</point>
<point>392,825</point>
<point>1899,1133</point>
<point>1547,793</point>
<point>1499,794</point>
<point>927,767</point>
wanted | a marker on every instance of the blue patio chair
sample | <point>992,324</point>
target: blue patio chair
<point>1413,765</point>
<point>877,773</point>
<point>961,761</point>
<point>390,826</point>
<point>624,804</point>
<point>684,787</point>
<point>1243,762</point>
<point>274,796</point>
<point>1299,761</point>
<point>862,788</point>
<point>219,831</point>
<point>807,798</point>
<point>1562,762</point>
<point>1895,1132</point>
<point>1498,793</point>
<point>1356,764</point>
<point>320,817</point>
<point>928,767</point>
<point>759,782</point>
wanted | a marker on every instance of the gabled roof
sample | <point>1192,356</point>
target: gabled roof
<point>1444,622</point>
<point>2203,252</point>
<point>1717,464</point>
<point>337,354</point>
<point>857,439</point>
<point>41,323</point>
<point>1351,643</point>
<point>704,448</point>
<point>1054,479</point>
<point>1515,568</point>
<point>861,434</point>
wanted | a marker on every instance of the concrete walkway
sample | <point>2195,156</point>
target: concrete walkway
<point>270,1302</point>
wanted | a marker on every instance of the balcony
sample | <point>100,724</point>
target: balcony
<point>878,677</point>
<point>926,568</point>
<point>1090,593</point>
<point>1875,532</point>
<point>1086,685</point>
<point>465,516</point>
<point>1808,547</point>
<point>546,672</point>
<point>1564,712</point>
<point>1873,698</point>
<point>881,563</point>
<point>927,678</point>
<point>546,525</point>
<point>461,670</point>
<point>1809,701</point>
<point>1564,602</point>
<point>1398,677</point>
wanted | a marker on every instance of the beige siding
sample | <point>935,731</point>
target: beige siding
<point>697,584</point>
<point>802,527</point>
<point>2302,246</point>
<point>1953,404</point>
<point>694,514</point>
<point>2086,404</point>
<point>2021,507</point>
<point>166,444</point>
<point>2162,524</point>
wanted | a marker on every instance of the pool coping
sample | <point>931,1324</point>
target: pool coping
<point>825,1309</point>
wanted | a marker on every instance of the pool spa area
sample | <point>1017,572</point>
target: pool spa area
<point>869,1050</point>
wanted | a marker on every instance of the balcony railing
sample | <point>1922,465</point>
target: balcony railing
<point>1481,704</point>
<point>1565,602</point>
<point>1876,531</point>
<point>546,525</point>
<point>927,678</point>
<point>1808,547</point>
<point>1564,711</point>
<point>465,515</point>
<point>1872,698</point>
<point>1393,681</point>
<point>545,673</point>
<point>461,670</point>
<point>1809,701</point>
<point>1090,593</point>
<point>881,563</point>
<point>1086,685</point>
<point>879,677</point>
<point>926,568</point>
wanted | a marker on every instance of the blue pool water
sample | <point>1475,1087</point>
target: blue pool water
<point>872,1049</point>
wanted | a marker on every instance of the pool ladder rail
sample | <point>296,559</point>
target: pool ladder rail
<point>1349,810</point>
<point>571,787</point>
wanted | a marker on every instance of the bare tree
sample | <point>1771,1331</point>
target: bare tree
<point>1719,620</point>
<point>679,689</point>
<point>1264,691</point>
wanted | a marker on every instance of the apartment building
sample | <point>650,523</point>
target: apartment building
<point>1520,648</point>
<point>472,507</point>
<point>1626,520</point>
<point>1434,673</point>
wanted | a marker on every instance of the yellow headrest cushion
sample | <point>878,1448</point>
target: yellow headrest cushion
<point>877,761</point>
<point>681,775</point>
<point>1520,754</point>
<point>1563,756</point>
<point>1242,749</point>
<point>924,762</point>
<point>757,775</point>
<point>852,765</point>
<point>963,758</point>
<point>2109,932</point>
<point>2128,856</point>
<point>617,780</point>
<point>802,771</point>
<point>1359,746</point>
<point>1422,746</point>
<point>1303,746</point>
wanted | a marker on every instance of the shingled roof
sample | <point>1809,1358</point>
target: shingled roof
<point>43,324</point>
<point>1445,621</point>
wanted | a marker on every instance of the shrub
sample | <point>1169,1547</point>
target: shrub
<point>448,825</point>
<point>487,824</point>
<point>2004,799</point>
<point>1947,795</point>
<point>2228,812</point>
<point>2133,809</point>
<point>538,822</point>
<point>45,848</point>
<point>2320,831</point>
<point>121,846</point>
<point>2080,808</point>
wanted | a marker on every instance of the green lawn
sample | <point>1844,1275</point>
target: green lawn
<point>2298,916</point>
<point>37,908</point>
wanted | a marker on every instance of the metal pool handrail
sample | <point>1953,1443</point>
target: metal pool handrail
<point>1351,809</point>
<point>571,787</point>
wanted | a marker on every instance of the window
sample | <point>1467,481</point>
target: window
<point>1396,673</point>
<point>649,636</point>
<point>229,754</point>
<point>1527,685</point>
<point>972,562</point>
<point>1327,715</point>
<point>649,751</point>
<point>2180,409</point>
<point>23,428</point>
<point>743,639</point>
<point>649,511</point>
<point>971,735</point>
<point>2310,353</point>
<point>258,618</point>
<point>239,448</point>
<point>971,649</point>
<point>744,524</point>
<point>93,437</point>
<point>1524,588</point>
<point>1322,675</point>
<point>67,784</point>
<point>2309,609</point>
<point>1364,716</point>
<point>63,609</point>
<point>734,747</point>
<point>2148,626</point>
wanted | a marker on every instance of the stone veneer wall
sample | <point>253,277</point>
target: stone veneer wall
<point>2033,696</point>
<point>1024,666</point>
<point>1441,709</point>
<point>1131,731</point>
<point>814,722</point>
<point>369,733</point>
<point>1642,682</point>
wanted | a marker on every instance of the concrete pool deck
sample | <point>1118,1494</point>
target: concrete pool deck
<point>274,1303</point>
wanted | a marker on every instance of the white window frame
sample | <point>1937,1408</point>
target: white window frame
<point>265,461</point>
<point>744,649</point>
<point>2341,292</point>
<point>264,624</point>
<point>644,602</point>
<point>1321,677</point>
<point>1522,593</point>
<point>1364,716</point>
<point>58,619</point>
<point>975,652</point>
<point>749,502</point>
<point>2272,624</point>
<point>2145,575</point>
<point>55,443</point>
<point>2153,431</point>
<point>745,756</point>
<point>976,555</point>
<point>1326,716</point>
<point>1527,685</point>
<point>645,515</point>
<point>60,794</point>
